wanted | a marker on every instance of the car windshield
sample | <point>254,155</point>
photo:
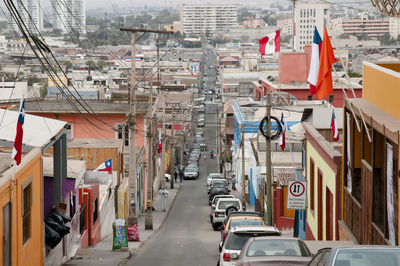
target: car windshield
<point>245,222</point>
<point>362,257</point>
<point>190,169</point>
<point>225,204</point>
<point>218,183</point>
<point>213,175</point>
<point>277,247</point>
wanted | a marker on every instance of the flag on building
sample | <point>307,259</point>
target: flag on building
<point>282,137</point>
<point>128,59</point>
<point>314,65</point>
<point>270,43</point>
<point>106,166</point>
<point>17,149</point>
<point>335,131</point>
<point>159,142</point>
<point>324,85</point>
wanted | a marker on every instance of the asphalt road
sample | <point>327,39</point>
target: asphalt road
<point>187,237</point>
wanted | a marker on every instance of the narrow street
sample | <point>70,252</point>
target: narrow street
<point>187,237</point>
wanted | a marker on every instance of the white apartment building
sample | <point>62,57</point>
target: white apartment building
<point>208,18</point>
<point>307,16</point>
<point>31,13</point>
<point>69,15</point>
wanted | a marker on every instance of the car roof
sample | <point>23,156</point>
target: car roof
<point>219,179</point>
<point>245,217</point>
<point>247,213</point>
<point>224,196</point>
<point>228,199</point>
<point>244,229</point>
<point>277,237</point>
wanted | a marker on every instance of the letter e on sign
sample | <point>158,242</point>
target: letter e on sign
<point>296,195</point>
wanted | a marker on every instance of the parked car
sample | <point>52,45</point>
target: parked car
<point>247,213</point>
<point>240,221</point>
<point>273,250</point>
<point>357,255</point>
<point>218,182</point>
<point>217,190</point>
<point>167,177</point>
<point>200,124</point>
<point>211,176</point>
<point>199,131</point>
<point>215,200</point>
<point>191,173</point>
<point>203,147</point>
<point>237,237</point>
<point>222,208</point>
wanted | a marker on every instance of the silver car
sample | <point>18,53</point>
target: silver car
<point>191,173</point>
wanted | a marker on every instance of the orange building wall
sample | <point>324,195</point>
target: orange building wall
<point>293,67</point>
<point>382,88</point>
<point>30,253</point>
<point>84,129</point>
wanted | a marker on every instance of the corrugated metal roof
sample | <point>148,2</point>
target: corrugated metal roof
<point>38,131</point>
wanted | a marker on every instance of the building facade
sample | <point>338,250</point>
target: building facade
<point>69,15</point>
<point>31,14</point>
<point>199,19</point>
<point>307,16</point>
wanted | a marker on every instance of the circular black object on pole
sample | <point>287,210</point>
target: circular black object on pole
<point>273,134</point>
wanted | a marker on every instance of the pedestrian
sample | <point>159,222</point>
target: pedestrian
<point>233,182</point>
<point>175,176</point>
<point>181,175</point>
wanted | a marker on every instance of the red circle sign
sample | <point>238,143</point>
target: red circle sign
<point>297,189</point>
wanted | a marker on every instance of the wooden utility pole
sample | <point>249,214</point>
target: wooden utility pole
<point>131,117</point>
<point>149,205</point>
<point>163,146</point>
<point>294,25</point>
<point>217,141</point>
<point>243,171</point>
<point>268,164</point>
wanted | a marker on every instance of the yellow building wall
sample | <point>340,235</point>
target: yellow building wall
<point>382,87</point>
<point>123,200</point>
<point>30,170</point>
<point>328,180</point>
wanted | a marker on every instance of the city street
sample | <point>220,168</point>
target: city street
<point>187,237</point>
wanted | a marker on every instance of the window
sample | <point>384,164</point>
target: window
<point>331,98</point>
<point>312,173</point>
<point>309,97</point>
<point>26,215</point>
<point>95,210</point>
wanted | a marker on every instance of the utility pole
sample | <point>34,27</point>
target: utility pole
<point>243,171</point>
<point>163,158</point>
<point>131,117</point>
<point>172,156</point>
<point>217,141</point>
<point>149,205</point>
<point>268,181</point>
<point>294,25</point>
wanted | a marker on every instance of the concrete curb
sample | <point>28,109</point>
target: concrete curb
<point>133,252</point>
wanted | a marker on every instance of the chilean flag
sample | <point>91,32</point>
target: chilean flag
<point>282,137</point>
<point>17,149</point>
<point>335,131</point>
<point>271,43</point>
<point>159,142</point>
<point>314,65</point>
<point>105,167</point>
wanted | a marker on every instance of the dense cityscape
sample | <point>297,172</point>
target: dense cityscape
<point>195,133</point>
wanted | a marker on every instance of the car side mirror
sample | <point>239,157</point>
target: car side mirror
<point>234,256</point>
<point>244,208</point>
<point>220,246</point>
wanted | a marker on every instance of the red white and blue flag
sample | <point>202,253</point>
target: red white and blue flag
<point>314,65</point>
<point>17,149</point>
<point>159,142</point>
<point>335,131</point>
<point>282,137</point>
<point>128,59</point>
<point>105,167</point>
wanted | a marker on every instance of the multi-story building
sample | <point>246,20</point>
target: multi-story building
<point>286,25</point>
<point>69,15</point>
<point>199,19</point>
<point>31,13</point>
<point>365,26</point>
<point>307,16</point>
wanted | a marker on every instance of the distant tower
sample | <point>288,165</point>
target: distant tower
<point>69,15</point>
<point>31,13</point>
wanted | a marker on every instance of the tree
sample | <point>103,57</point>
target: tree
<point>90,66</point>
<point>101,65</point>
<point>68,65</point>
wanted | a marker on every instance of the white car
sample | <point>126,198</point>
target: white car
<point>191,173</point>
<point>211,176</point>
<point>214,202</point>
<point>237,237</point>
<point>223,206</point>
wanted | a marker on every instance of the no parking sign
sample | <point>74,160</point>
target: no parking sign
<point>296,195</point>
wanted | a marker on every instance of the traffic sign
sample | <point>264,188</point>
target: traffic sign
<point>296,195</point>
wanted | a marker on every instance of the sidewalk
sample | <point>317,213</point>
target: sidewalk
<point>102,253</point>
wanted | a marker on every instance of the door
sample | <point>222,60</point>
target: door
<point>7,234</point>
<point>320,214</point>
<point>366,202</point>
<point>329,215</point>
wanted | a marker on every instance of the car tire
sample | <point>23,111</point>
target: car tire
<point>230,209</point>
<point>214,226</point>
